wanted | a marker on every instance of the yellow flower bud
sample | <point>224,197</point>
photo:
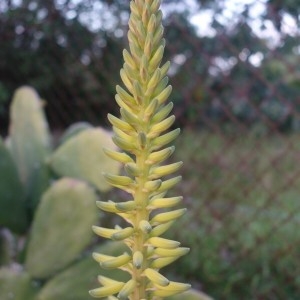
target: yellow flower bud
<point>126,80</point>
<point>118,156</point>
<point>167,216</point>
<point>156,277</point>
<point>157,40</point>
<point>107,290</point>
<point>165,68</point>
<point>122,234</point>
<point>160,229</point>
<point>137,92</point>
<point>162,252</point>
<point>108,206</point>
<point>160,156</point>
<point>164,202</point>
<point>162,262</point>
<point>144,69</point>
<point>125,206</point>
<point>119,123</point>
<point>162,113</point>
<point>117,180</point>
<point>166,138</point>
<point>163,96</point>
<point>130,72</point>
<point>157,172</point>
<point>130,61</point>
<point>148,45</point>
<point>168,184</point>
<point>142,140</point>
<point>163,243</point>
<point>154,80</point>
<point>162,126</point>
<point>123,144</point>
<point>151,109</point>
<point>156,58</point>
<point>146,13</point>
<point>127,289</point>
<point>116,262</point>
<point>133,8</point>
<point>124,95</point>
<point>123,104</point>
<point>107,281</point>
<point>103,232</point>
<point>172,289</point>
<point>124,136</point>
<point>155,5</point>
<point>151,186</point>
<point>152,24</point>
<point>129,117</point>
<point>137,259</point>
<point>99,257</point>
<point>145,226</point>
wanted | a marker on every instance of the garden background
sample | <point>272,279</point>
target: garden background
<point>235,72</point>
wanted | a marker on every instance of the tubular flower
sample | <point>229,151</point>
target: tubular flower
<point>142,133</point>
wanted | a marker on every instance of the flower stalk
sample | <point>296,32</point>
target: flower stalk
<point>141,132</point>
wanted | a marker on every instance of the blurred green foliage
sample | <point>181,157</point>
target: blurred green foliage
<point>243,237</point>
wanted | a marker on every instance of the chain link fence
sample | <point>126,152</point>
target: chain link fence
<point>236,91</point>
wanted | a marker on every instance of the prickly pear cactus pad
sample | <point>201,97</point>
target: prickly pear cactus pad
<point>142,133</point>
<point>12,203</point>
<point>29,141</point>
<point>82,157</point>
<point>61,227</point>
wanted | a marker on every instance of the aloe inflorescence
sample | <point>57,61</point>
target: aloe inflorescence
<point>142,133</point>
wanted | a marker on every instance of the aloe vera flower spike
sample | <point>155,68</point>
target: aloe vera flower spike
<point>142,133</point>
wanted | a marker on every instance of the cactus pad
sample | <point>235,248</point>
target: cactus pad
<point>12,205</point>
<point>82,157</point>
<point>29,140</point>
<point>61,227</point>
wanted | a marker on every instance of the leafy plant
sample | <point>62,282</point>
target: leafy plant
<point>45,218</point>
<point>140,133</point>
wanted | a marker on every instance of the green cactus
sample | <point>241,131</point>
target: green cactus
<point>29,142</point>
<point>12,205</point>
<point>60,231</point>
<point>82,157</point>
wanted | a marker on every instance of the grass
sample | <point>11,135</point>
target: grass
<point>244,213</point>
